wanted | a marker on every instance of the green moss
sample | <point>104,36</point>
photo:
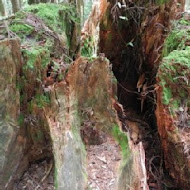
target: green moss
<point>184,22</point>
<point>178,37</point>
<point>41,100</point>
<point>176,41</point>
<point>176,104</point>
<point>174,71</point>
<point>55,16</point>
<point>182,57</point>
<point>22,30</point>
<point>121,138</point>
<point>160,2</point>
<point>21,119</point>
<point>167,95</point>
<point>87,48</point>
<point>91,59</point>
<point>33,54</point>
<point>59,18</point>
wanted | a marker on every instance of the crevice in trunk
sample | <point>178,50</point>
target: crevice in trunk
<point>122,43</point>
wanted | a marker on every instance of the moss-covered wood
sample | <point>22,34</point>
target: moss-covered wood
<point>173,102</point>
<point>45,32</point>
<point>174,71</point>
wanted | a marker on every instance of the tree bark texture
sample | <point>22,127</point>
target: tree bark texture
<point>2,9</point>
<point>16,5</point>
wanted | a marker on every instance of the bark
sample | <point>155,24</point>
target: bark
<point>86,85</point>
<point>2,9</point>
<point>16,5</point>
<point>11,141</point>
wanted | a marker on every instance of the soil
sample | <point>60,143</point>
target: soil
<point>103,164</point>
<point>102,168</point>
<point>39,176</point>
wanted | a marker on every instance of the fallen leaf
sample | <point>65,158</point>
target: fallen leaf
<point>103,159</point>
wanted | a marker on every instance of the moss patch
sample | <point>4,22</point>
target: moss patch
<point>41,100</point>
<point>22,30</point>
<point>46,25</point>
<point>121,138</point>
<point>55,16</point>
<point>178,37</point>
<point>21,119</point>
<point>160,2</point>
<point>174,71</point>
<point>45,30</point>
<point>87,48</point>
<point>31,55</point>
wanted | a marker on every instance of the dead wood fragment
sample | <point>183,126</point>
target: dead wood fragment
<point>48,172</point>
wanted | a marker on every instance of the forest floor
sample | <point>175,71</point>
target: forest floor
<point>102,169</point>
<point>103,163</point>
<point>39,176</point>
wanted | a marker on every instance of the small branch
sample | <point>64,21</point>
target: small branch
<point>127,90</point>
<point>48,172</point>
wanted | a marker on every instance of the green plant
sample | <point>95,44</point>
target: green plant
<point>184,22</point>
<point>42,100</point>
